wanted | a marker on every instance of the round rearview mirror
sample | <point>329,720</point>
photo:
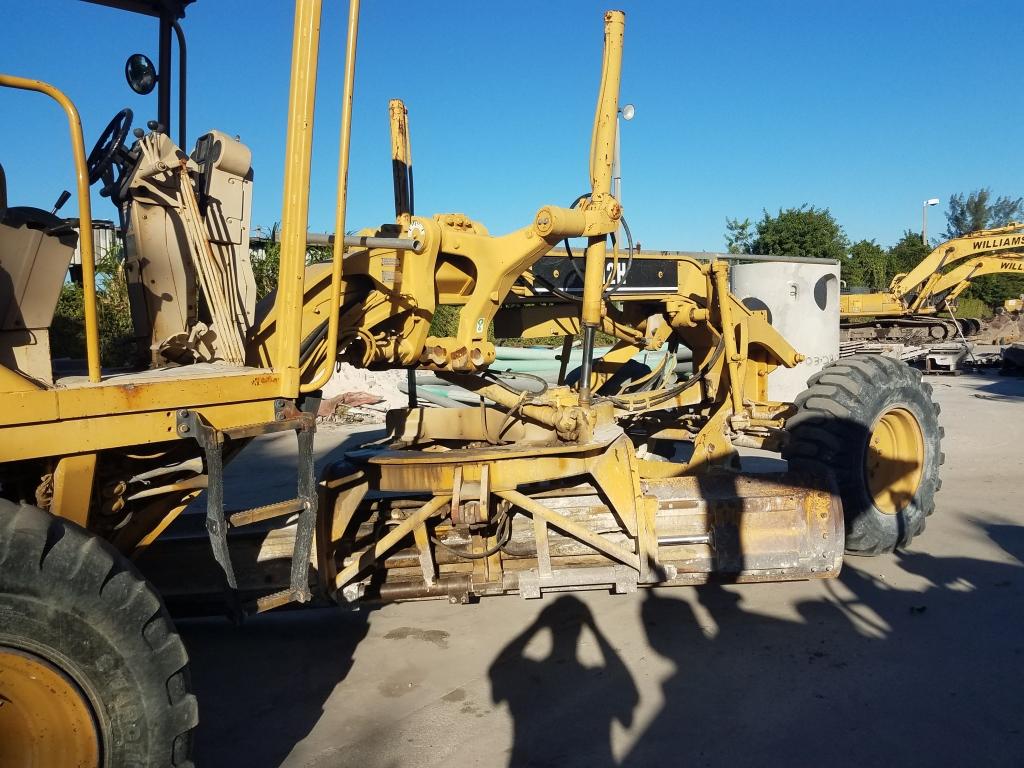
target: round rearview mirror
<point>140,73</point>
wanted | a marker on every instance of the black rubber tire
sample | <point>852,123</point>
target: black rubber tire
<point>72,599</point>
<point>830,433</point>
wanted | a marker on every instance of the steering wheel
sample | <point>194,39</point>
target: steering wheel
<point>108,146</point>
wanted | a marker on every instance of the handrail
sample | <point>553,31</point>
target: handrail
<point>92,332</point>
<point>295,212</point>
<point>338,253</point>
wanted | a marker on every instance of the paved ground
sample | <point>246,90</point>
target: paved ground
<point>916,659</point>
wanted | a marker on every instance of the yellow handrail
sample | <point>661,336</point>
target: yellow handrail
<point>295,213</point>
<point>92,332</point>
<point>333,319</point>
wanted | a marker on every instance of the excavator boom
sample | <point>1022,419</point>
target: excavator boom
<point>953,283</point>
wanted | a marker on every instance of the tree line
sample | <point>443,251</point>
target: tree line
<point>810,231</point>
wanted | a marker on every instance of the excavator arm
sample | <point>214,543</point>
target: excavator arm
<point>950,285</point>
<point>910,293</point>
<point>918,282</point>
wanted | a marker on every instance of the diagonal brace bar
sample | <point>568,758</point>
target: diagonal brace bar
<point>537,509</point>
<point>386,542</point>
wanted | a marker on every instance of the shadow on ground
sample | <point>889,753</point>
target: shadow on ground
<point>262,686</point>
<point>887,676</point>
<point>1003,387</point>
<point>867,674</point>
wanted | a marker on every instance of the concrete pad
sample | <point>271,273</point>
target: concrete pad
<point>912,659</point>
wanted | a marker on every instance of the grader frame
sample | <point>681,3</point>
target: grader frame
<point>539,489</point>
<point>387,282</point>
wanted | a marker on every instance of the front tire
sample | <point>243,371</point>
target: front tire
<point>77,615</point>
<point>870,421</point>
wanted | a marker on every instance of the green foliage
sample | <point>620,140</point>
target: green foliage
<point>1006,210</point>
<point>739,235</point>
<point>979,211</point>
<point>973,308</point>
<point>803,231</point>
<point>67,332</point>
<point>265,266</point>
<point>867,266</point>
<point>445,321</point>
<point>907,253</point>
<point>993,290</point>
<point>117,337</point>
<point>601,339</point>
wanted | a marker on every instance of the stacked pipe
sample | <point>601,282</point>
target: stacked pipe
<point>539,362</point>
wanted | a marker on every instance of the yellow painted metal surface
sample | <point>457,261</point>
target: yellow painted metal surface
<point>11,381</point>
<point>295,207</point>
<point>533,451</point>
<point>347,91</point>
<point>45,719</point>
<point>401,160</point>
<point>894,461</point>
<point>1010,237</point>
<point>72,487</point>
<point>870,305</point>
<point>958,280</point>
<point>108,398</point>
<point>103,431</point>
<point>602,152</point>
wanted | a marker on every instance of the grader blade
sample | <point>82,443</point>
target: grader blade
<point>507,519</point>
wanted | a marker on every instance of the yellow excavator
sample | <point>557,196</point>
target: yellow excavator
<point>614,479</point>
<point>910,308</point>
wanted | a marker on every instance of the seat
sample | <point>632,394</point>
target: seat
<point>35,250</point>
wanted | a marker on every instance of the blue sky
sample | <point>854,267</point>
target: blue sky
<point>866,108</point>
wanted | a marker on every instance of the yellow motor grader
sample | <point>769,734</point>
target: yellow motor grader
<point>616,478</point>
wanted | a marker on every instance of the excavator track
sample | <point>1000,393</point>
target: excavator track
<point>912,328</point>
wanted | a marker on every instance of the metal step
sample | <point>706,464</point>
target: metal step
<point>275,600</point>
<point>266,512</point>
<point>192,425</point>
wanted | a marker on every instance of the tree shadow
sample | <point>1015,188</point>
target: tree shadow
<point>861,673</point>
<point>562,708</point>
<point>1002,387</point>
<point>872,674</point>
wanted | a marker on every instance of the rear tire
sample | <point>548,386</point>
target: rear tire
<point>72,604</point>
<point>870,421</point>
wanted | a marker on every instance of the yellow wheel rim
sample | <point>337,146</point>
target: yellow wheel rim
<point>45,718</point>
<point>894,462</point>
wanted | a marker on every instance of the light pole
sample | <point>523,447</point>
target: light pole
<point>924,218</point>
